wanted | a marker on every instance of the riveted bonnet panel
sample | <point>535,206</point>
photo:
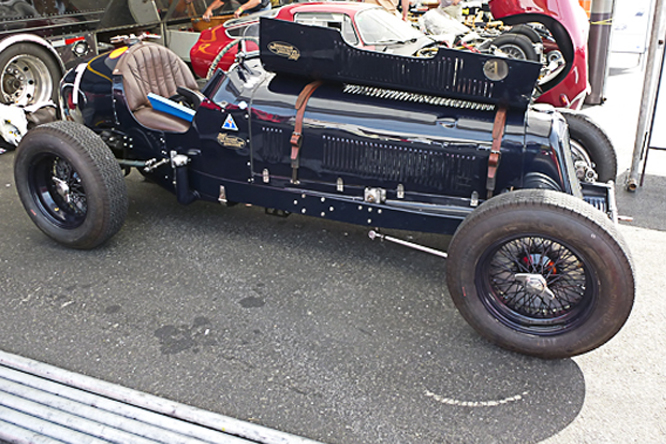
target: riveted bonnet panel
<point>322,53</point>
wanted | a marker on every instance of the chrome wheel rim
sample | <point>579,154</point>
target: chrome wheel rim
<point>25,80</point>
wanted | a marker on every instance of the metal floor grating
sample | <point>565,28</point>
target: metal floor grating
<point>43,404</point>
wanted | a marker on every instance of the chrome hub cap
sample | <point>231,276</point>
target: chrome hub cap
<point>25,80</point>
<point>535,284</point>
<point>62,188</point>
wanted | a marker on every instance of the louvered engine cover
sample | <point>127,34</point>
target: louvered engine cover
<point>373,137</point>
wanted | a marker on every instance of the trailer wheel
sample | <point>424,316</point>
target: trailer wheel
<point>541,273</point>
<point>28,74</point>
<point>516,46</point>
<point>592,149</point>
<point>226,49</point>
<point>70,184</point>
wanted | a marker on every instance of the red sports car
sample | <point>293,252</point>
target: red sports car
<point>361,24</point>
<point>372,27</point>
<point>567,22</point>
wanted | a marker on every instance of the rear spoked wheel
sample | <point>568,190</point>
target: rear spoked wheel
<point>70,184</point>
<point>59,189</point>
<point>541,273</point>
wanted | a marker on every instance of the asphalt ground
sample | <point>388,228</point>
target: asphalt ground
<point>307,326</point>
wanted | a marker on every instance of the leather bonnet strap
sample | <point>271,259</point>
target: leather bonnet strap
<point>297,136</point>
<point>495,153</point>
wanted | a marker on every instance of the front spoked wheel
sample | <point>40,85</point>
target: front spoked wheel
<point>541,273</point>
<point>536,285</point>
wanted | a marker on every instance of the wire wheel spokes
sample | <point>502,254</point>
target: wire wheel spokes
<point>59,190</point>
<point>68,185</point>
<point>536,284</point>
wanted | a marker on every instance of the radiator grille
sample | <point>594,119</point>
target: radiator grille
<point>597,202</point>
<point>427,167</point>
<point>273,142</point>
<point>394,94</point>
<point>444,74</point>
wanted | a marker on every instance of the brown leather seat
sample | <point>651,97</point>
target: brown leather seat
<point>151,68</point>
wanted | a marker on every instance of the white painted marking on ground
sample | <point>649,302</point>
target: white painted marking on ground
<point>461,403</point>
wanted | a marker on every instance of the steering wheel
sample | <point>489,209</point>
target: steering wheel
<point>227,47</point>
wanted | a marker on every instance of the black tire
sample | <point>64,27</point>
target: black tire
<point>223,51</point>
<point>591,147</point>
<point>528,234</point>
<point>70,184</point>
<point>29,74</point>
<point>517,46</point>
<point>527,31</point>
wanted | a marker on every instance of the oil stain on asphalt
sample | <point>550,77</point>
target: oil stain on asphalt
<point>175,339</point>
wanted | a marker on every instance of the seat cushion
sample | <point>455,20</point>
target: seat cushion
<point>151,68</point>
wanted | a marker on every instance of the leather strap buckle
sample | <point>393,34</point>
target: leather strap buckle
<point>495,151</point>
<point>296,140</point>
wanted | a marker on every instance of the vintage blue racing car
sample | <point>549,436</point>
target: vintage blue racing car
<point>446,144</point>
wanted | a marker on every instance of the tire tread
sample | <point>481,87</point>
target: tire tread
<point>584,126</point>
<point>89,146</point>
<point>546,201</point>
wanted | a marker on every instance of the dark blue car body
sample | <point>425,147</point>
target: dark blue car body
<point>431,160</point>
<point>447,144</point>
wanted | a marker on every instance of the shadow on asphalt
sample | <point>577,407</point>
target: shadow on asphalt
<point>645,205</point>
<point>617,71</point>
<point>299,324</point>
